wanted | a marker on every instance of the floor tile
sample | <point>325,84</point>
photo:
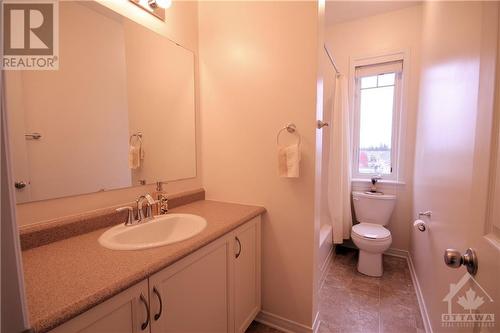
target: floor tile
<point>256,327</point>
<point>350,302</point>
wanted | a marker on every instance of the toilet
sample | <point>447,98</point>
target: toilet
<point>373,211</point>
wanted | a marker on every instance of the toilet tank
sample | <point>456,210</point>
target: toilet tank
<point>373,208</point>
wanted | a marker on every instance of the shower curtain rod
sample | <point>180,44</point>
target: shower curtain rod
<point>331,60</point>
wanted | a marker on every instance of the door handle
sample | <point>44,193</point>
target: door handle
<point>320,124</point>
<point>20,185</point>
<point>33,136</point>
<point>239,247</point>
<point>454,259</point>
<point>158,315</point>
<point>145,324</point>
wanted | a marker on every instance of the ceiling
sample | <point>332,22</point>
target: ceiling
<point>341,11</point>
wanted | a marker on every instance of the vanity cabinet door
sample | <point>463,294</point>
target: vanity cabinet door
<point>126,312</point>
<point>191,295</point>
<point>246,273</point>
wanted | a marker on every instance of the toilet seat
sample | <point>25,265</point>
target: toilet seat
<point>370,231</point>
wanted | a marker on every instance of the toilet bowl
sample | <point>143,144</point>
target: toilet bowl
<point>373,212</point>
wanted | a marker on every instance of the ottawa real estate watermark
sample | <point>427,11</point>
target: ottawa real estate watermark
<point>465,299</point>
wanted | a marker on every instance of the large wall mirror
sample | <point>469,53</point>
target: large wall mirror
<point>119,112</point>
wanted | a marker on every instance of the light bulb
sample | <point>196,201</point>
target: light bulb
<point>164,3</point>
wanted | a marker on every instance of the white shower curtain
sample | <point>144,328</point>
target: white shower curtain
<point>339,165</point>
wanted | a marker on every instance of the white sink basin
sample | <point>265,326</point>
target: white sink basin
<point>161,230</point>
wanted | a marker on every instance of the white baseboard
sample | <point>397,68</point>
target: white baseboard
<point>420,296</point>
<point>285,325</point>
<point>397,253</point>
<point>316,323</point>
<point>416,285</point>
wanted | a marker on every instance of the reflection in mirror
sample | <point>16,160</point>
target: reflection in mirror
<point>119,112</point>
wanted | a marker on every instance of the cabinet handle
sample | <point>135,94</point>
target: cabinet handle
<point>239,247</point>
<point>145,324</point>
<point>158,315</point>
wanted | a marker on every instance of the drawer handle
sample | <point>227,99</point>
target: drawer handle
<point>145,324</point>
<point>158,315</point>
<point>239,247</point>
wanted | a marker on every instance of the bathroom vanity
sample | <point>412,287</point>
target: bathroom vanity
<point>208,283</point>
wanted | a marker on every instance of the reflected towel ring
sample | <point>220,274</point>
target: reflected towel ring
<point>138,136</point>
<point>290,128</point>
<point>138,139</point>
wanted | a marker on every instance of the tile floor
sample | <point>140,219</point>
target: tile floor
<point>354,303</point>
<point>256,327</point>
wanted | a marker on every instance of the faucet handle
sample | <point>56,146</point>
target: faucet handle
<point>149,208</point>
<point>130,215</point>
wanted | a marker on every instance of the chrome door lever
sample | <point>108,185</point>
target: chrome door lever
<point>33,136</point>
<point>320,124</point>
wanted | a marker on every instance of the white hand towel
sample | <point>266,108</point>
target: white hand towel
<point>289,161</point>
<point>134,157</point>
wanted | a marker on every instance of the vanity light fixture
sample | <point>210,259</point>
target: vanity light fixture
<point>160,3</point>
<point>155,7</point>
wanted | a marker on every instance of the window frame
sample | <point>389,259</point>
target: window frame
<point>397,116</point>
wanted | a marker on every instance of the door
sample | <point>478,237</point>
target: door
<point>14,106</point>
<point>246,274</point>
<point>127,312</point>
<point>191,296</point>
<point>453,169</point>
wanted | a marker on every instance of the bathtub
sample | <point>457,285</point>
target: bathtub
<point>325,247</point>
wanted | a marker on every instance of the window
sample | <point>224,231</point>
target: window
<point>377,107</point>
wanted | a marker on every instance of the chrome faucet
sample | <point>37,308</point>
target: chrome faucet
<point>149,210</point>
<point>131,220</point>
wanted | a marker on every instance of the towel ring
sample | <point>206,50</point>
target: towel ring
<point>138,136</point>
<point>290,128</point>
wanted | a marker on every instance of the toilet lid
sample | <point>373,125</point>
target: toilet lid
<point>372,231</point>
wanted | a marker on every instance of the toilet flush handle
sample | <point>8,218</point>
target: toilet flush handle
<point>426,213</point>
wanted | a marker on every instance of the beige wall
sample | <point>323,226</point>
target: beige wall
<point>258,73</point>
<point>180,26</point>
<point>453,150</point>
<point>372,36</point>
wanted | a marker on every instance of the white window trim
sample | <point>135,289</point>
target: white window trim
<point>399,127</point>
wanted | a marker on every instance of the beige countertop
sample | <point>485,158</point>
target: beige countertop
<point>65,278</point>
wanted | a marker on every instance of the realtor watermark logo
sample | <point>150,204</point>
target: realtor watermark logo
<point>469,300</point>
<point>30,33</point>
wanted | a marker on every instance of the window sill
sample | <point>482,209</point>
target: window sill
<point>382,181</point>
